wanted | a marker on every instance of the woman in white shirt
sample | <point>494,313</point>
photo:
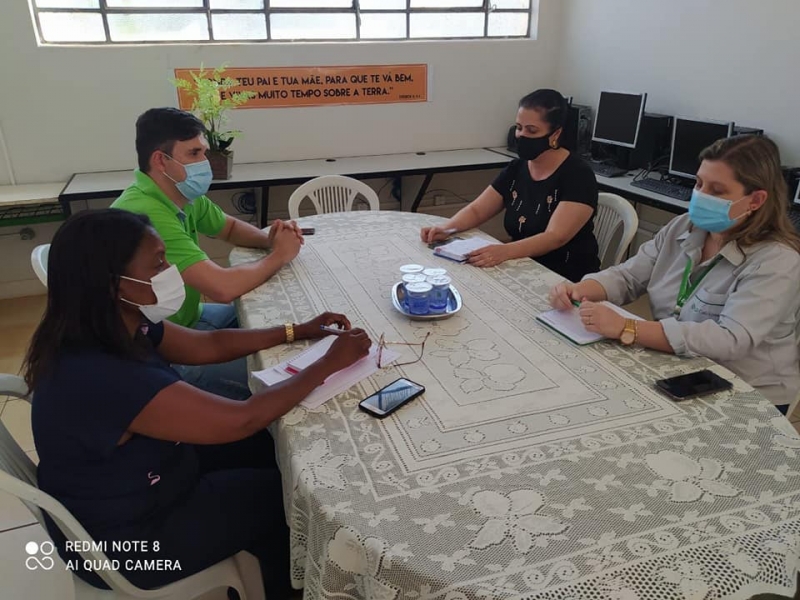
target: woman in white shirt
<point>723,280</point>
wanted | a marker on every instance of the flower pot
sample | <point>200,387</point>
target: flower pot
<point>221,163</point>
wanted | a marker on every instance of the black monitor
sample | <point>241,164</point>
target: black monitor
<point>619,118</point>
<point>689,138</point>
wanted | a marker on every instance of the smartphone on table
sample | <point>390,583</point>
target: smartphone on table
<point>388,399</point>
<point>692,385</point>
<point>308,230</point>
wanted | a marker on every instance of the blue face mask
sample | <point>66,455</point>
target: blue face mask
<point>198,179</point>
<point>710,213</point>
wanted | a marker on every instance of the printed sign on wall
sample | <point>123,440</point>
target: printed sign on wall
<point>324,86</point>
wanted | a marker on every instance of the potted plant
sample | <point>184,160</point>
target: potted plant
<point>211,101</point>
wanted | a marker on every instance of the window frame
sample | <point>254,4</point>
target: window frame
<point>104,10</point>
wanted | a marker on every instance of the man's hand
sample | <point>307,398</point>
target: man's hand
<point>312,330</point>
<point>286,244</point>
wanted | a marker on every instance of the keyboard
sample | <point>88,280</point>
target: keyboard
<point>607,170</point>
<point>672,190</point>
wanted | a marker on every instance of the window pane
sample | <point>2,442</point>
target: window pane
<point>154,3</point>
<point>443,25</point>
<point>72,27</point>
<point>239,27</point>
<point>503,24</point>
<point>311,3</point>
<point>383,4</point>
<point>510,3</point>
<point>68,3</point>
<point>234,4</point>
<point>158,27</point>
<point>329,26</point>
<point>446,3</point>
<point>383,26</point>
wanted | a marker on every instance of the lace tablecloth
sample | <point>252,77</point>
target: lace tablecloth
<point>531,468</point>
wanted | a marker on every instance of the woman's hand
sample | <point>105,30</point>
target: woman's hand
<point>490,256</point>
<point>349,347</point>
<point>312,330</point>
<point>435,234</point>
<point>563,296</point>
<point>599,318</point>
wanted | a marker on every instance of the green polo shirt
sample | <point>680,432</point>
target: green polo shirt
<point>178,228</point>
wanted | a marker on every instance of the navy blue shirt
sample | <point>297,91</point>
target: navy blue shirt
<point>529,205</point>
<point>81,410</point>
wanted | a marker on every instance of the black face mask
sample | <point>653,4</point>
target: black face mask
<point>530,148</point>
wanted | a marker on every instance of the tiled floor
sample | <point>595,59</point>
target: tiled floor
<point>18,319</point>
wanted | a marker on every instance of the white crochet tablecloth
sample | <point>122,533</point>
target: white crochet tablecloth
<point>531,468</point>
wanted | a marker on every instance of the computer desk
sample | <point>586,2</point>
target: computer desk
<point>416,168</point>
<point>622,186</point>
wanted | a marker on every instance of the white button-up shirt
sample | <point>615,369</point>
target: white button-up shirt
<point>743,314</point>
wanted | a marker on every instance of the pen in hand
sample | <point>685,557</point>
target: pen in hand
<point>334,330</point>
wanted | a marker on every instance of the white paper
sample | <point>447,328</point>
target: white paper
<point>459,249</point>
<point>335,384</point>
<point>569,324</point>
<point>312,354</point>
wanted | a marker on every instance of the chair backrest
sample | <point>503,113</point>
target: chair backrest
<point>613,210</point>
<point>332,193</point>
<point>39,258</point>
<point>18,478</point>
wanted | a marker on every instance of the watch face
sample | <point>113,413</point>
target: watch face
<point>627,337</point>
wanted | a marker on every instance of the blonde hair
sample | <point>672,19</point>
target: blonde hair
<point>756,164</point>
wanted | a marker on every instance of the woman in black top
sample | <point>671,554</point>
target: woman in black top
<point>133,452</point>
<point>549,195</point>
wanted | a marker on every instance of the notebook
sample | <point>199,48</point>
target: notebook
<point>568,323</point>
<point>458,250</point>
<point>310,355</point>
<point>335,384</point>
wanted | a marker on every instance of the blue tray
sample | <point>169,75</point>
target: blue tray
<point>453,305</point>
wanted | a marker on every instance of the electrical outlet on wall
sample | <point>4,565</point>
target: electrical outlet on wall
<point>439,200</point>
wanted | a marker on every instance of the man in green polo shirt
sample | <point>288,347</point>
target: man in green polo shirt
<point>169,187</point>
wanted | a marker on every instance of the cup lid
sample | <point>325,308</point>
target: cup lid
<point>411,268</point>
<point>439,280</point>
<point>434,272</point>
<point>419,287</point>
<point>413,278</point>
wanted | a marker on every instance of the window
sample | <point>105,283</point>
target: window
<point>153,21</point>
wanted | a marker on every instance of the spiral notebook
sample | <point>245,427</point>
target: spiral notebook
<point>568,323</point>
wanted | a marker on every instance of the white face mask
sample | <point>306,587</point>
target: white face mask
<point>169,291</point>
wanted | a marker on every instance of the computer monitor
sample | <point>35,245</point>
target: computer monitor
<point>689,138</point>
<point>619,118</point>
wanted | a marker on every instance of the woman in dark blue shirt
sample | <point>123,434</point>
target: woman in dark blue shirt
<point>132,451</point>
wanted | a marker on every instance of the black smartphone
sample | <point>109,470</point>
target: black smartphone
<point>308,230</point>
<point>692,385</point>
<point>388,399</point>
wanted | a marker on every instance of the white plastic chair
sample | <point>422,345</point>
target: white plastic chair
<point>613,210</point>
<point>39,258</point>
<point>18,478</point>
<point>332,193</point>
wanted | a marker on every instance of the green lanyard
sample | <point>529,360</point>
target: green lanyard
<point>687,288</point>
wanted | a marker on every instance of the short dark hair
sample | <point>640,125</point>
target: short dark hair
<point>89,253</point>
<point>552,104</point>
<point>160,128</point>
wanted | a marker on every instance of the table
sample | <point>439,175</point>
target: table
<point>90,186</point>
<point>531,468</point>
<point>622,186</point>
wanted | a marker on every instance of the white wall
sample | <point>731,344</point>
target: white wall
<point>723,59</point>
<point>71,109</point>
<point>67,109</point>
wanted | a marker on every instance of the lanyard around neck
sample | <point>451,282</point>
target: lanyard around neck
<point>688,288</point>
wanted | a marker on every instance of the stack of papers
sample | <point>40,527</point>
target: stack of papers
<point>459,250</point>
<point>335,384</point>
<point>568,323</point>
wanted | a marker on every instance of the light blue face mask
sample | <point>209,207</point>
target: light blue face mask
<point>710,213</point>
<point>198,179</point>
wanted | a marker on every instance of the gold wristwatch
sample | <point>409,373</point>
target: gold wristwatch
<point>289,332</point>
<point>630,334</point>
